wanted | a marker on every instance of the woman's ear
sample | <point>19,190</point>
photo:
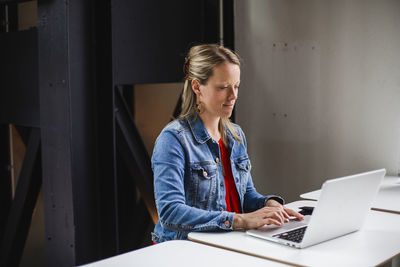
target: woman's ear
<point>196,86</point>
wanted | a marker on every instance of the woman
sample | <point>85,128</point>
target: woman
<point>202,178</point>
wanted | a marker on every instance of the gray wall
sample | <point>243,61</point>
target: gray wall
<point>320,90</point>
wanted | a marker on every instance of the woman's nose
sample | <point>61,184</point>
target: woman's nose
<point>233,93</point>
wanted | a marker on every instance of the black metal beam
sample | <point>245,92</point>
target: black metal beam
<point>19,97</point>
<point>105,140</point>
<point>77,131</point>
<point>68,82</point>
<point>12,17</point>
<point>8,16</point>
<point>130,145</point>
<point>5,177</point>
<point>23,204</point>
<point>2,18</point>
<point>133,216</point>
<point>55,113</point>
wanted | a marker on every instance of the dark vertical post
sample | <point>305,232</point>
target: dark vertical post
<point>85,185</point>
<point>67,75</point>
<point>12,17</point>
<point>55,115</point>
<point>5,178</point>
<point>2,18</point>
<point>105,155</point>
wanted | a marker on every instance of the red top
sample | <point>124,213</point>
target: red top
<point>231,196</point>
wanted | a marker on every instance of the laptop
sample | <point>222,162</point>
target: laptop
<point>341,209</point>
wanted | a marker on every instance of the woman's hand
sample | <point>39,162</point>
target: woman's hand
<point>272,213</point>
<point>287,212</point>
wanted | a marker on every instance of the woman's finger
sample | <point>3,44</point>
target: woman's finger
<point>272,221</point>
<point>277,215</point>
<point>285,214</point>
<point>294,213</point>
<point>282,211</point>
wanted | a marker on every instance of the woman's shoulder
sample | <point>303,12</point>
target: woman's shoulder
<point>170,135</point>
<point>238,130</point>
<point>236,126</point>
<point>175,127</point>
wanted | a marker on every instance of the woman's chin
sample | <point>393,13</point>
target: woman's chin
<point>226,115</point>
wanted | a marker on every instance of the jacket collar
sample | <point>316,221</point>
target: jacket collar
<point>198,130</point>
<point>231,142</point>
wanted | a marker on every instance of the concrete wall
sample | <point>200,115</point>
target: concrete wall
<point>320,89</point>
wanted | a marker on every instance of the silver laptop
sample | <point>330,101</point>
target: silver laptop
<point>341,209</point>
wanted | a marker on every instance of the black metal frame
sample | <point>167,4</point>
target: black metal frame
<point>12,16</point>
<point>63,86</point>
<point>133,152</point>
<point>136,207</point>
<point>79,203</point>
<point>18,51</point>
<point>105,151</point>
<point>5,181</point>
<point>23,204</point>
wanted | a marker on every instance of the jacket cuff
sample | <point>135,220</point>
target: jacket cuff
<point>226,220</point>
<point>276,198</point>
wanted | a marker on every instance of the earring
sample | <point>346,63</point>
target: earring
<point>199,107</point>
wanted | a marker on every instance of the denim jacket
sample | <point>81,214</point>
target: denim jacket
<point>189,185</point>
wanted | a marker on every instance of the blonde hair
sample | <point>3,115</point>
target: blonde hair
<point>199,64</point>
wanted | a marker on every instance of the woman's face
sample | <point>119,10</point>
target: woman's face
<point>220,92</point>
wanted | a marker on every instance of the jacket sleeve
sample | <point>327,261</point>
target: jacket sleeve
<point>168,164</point>
<point>252,199</point>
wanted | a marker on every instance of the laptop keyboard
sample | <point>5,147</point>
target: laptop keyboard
<point>295,235</point>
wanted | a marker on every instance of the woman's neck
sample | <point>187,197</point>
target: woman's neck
<point>212,126</point>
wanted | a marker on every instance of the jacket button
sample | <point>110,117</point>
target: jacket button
<point>221,184</point>
<point>226,223</point>
<point>205,174</point>
<point>217,160</point>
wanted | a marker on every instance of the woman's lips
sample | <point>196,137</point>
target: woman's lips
<point>229,105</point>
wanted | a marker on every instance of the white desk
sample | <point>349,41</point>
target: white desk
<point>183,253</point>
<point>377,242</point>
<point>388,198</point>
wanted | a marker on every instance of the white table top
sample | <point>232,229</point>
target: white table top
<point>388,198</point>
<point>377,242</point>
<point>182,253</point>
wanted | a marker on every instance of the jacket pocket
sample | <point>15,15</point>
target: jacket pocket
<point>204,177</point>
<point>243,168</point>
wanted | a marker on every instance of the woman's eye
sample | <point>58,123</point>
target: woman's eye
<point>226,87</point>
